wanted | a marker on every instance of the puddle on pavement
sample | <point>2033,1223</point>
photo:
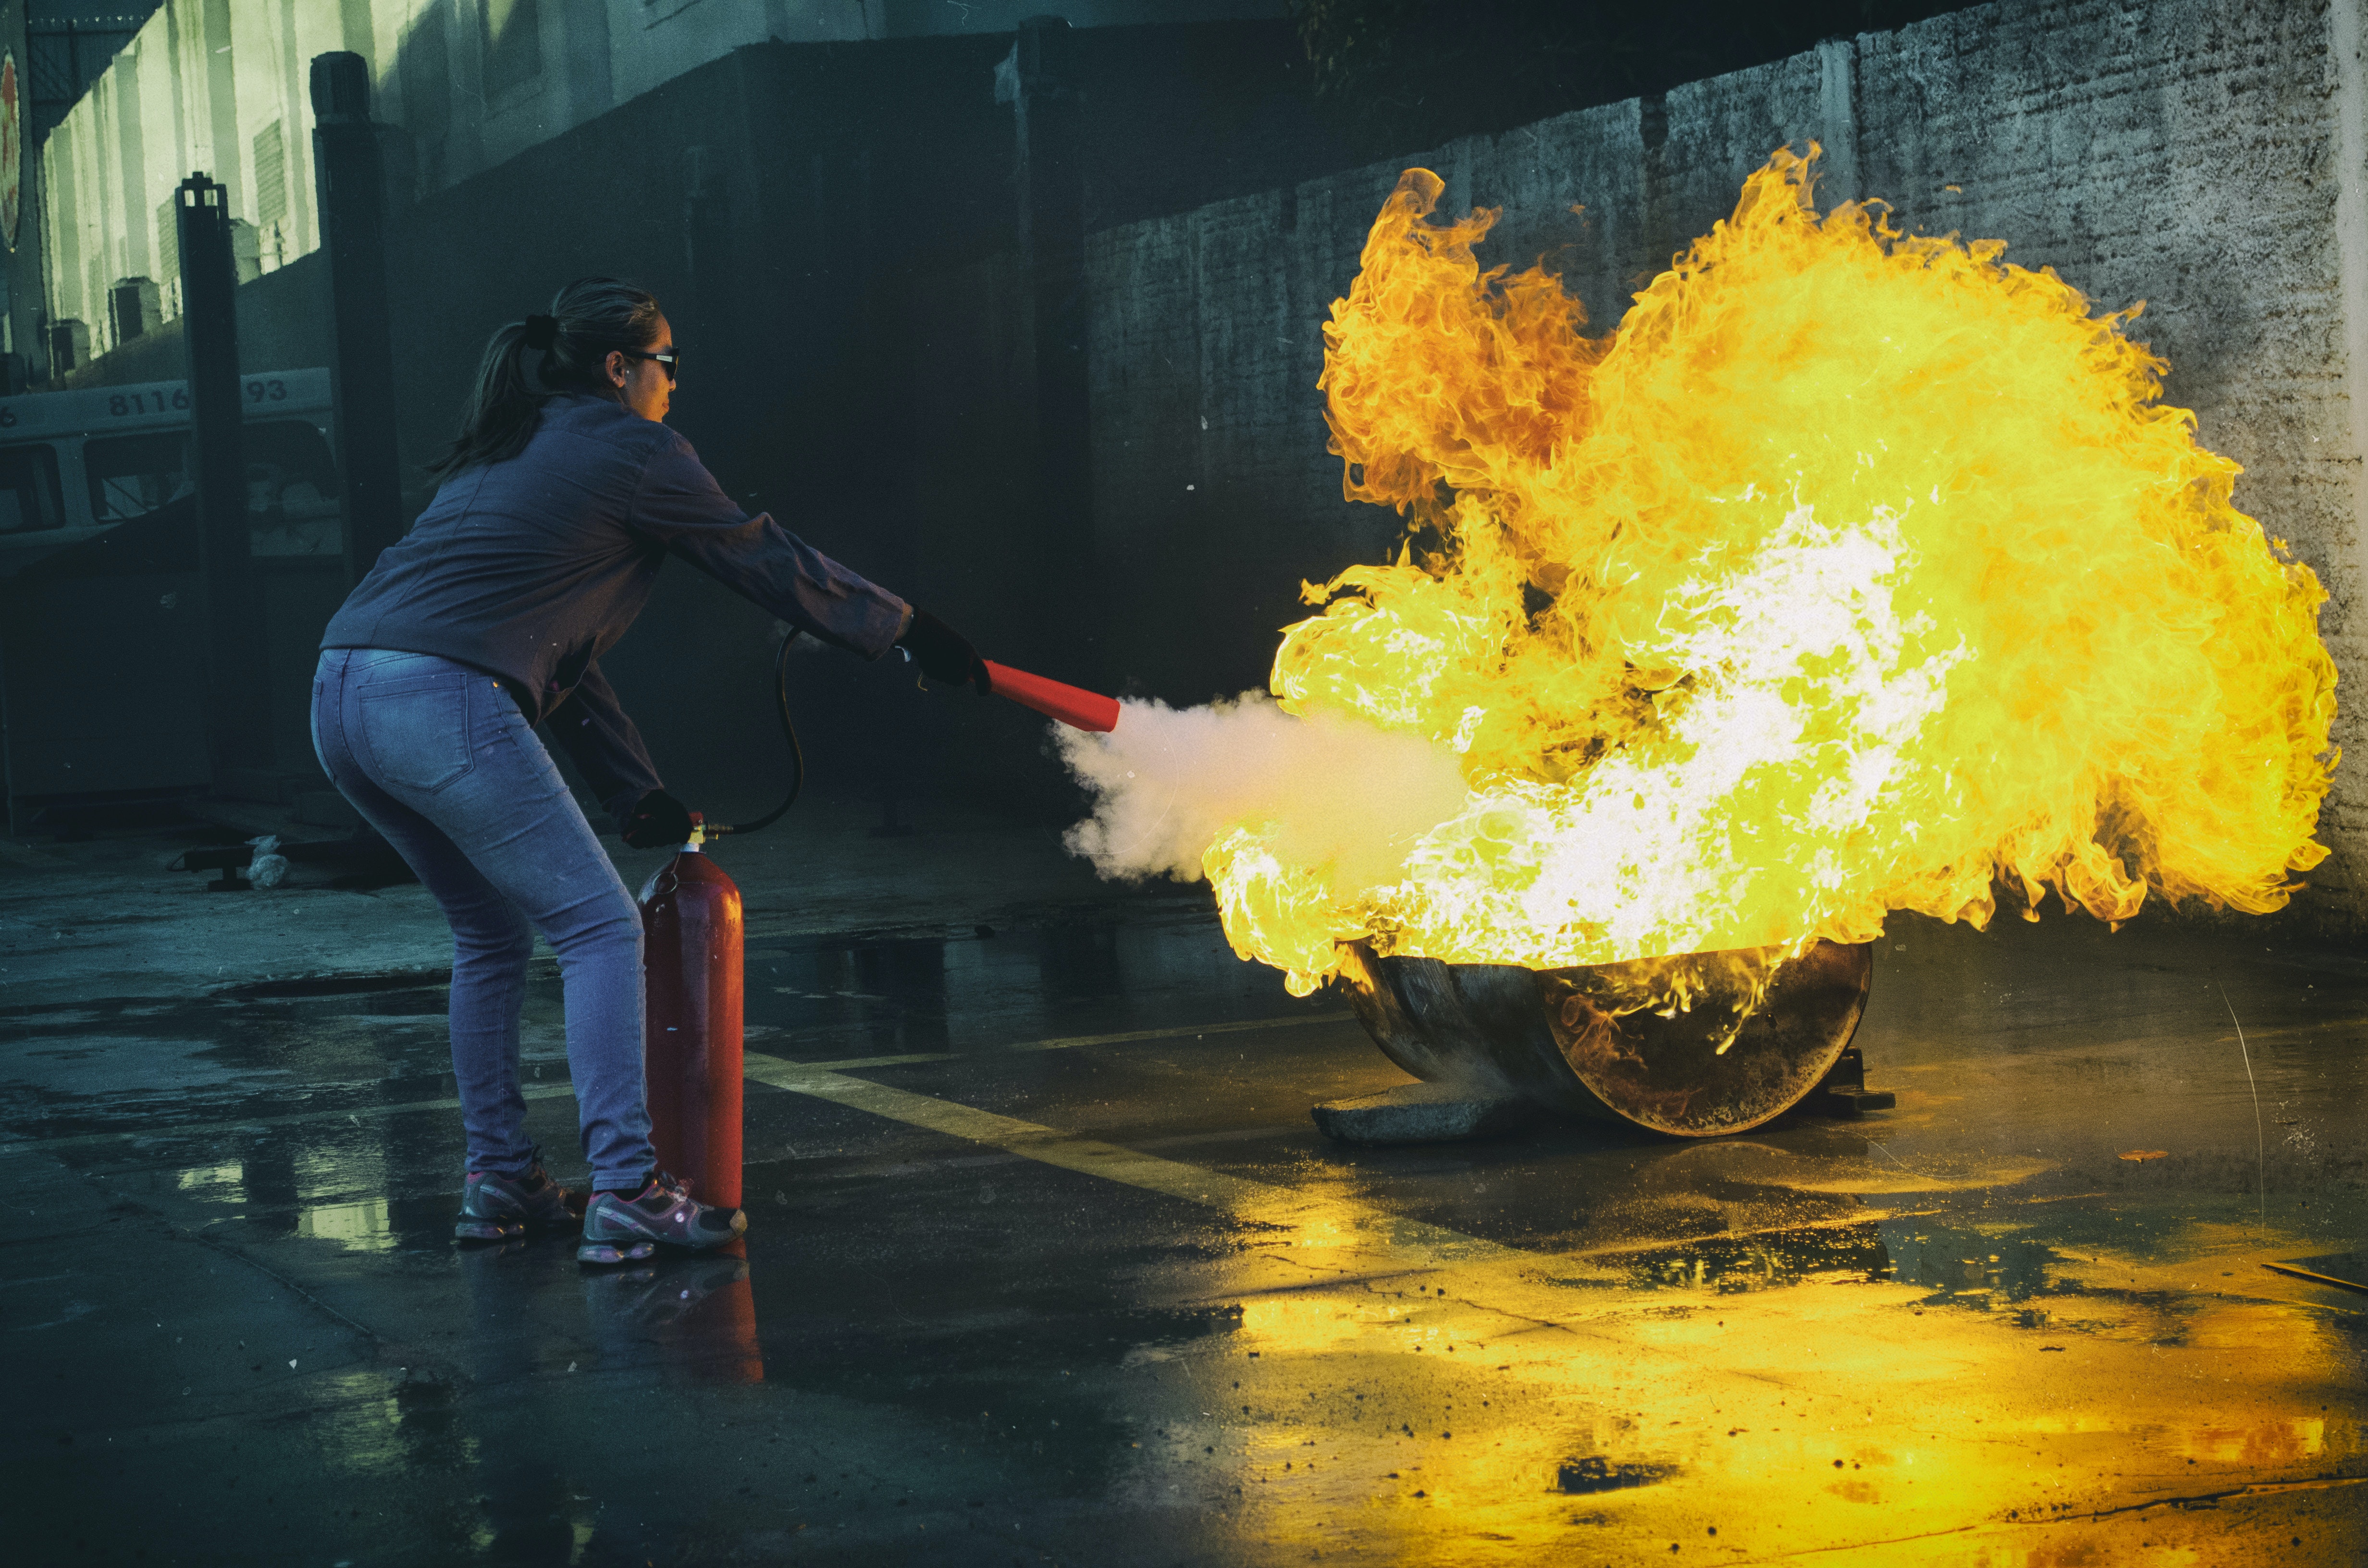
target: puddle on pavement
<point>829,997</point>
<point>1761,1262</point>
<point>1945,1260</point>
<point>1595,1474</point>
<point>2265,1445</point>
<point>362,1226</point>
<point>1954,1262</point>
<point>383,1037</point>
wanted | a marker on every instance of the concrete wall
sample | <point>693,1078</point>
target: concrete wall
<point>2207,156</point>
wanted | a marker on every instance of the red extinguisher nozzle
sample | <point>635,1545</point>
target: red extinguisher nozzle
<point>1072,706</point>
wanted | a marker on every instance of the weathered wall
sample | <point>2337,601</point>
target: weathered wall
<point>2203,155</point>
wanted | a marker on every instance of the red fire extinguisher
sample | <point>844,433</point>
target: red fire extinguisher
<point>691,945</point>
<point>691,957</point>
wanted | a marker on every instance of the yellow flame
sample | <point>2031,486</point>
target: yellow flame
<point>1857,571</point>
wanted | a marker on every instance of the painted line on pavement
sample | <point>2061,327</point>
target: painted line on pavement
<point>1326,1222</point>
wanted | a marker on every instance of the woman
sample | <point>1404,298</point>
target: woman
<point>558,504</point>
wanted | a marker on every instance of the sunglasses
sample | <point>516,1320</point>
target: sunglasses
<point>671,361</point>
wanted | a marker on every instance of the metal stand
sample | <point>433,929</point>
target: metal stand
<point>352,189</point>
<point>1843,1091</point>
<point>1426,1113</point>
<point>239,733</point>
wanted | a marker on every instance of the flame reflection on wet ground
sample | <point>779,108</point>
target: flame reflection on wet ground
<point>1963,1332</point>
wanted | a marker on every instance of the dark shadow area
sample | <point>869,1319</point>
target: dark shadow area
<point>1398,75</point>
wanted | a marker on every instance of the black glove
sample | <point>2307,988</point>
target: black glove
<point>659,821</point>
<point>943,654</point>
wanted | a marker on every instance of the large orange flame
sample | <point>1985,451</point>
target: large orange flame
<point>1858,572</point>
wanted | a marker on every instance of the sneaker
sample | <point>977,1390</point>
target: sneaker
<point>618,1229</point>
<point>494,1207</point>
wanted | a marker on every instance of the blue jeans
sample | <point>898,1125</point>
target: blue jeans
<point>437,757</point>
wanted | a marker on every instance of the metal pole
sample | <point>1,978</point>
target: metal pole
<point>1052,245</point>
<point>351,183</point>
<point>8,766</point>
<point>236,724</point>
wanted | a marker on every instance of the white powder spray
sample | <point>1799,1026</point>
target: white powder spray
<point>1347,797</point>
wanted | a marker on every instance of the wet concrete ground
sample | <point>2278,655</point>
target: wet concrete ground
<point>1047,1264</point>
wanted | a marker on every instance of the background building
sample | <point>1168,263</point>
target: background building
<point>462,86</point>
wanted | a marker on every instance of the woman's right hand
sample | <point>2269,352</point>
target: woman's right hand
<point>943,654</point>
<point>658,822</point>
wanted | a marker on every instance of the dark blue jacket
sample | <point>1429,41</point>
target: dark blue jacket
<point>532,569</point>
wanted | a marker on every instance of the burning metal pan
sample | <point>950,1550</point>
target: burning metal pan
<point>1495,1044</point>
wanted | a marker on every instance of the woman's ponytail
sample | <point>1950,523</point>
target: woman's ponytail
<point>502,408</point>
<point>589,318</point>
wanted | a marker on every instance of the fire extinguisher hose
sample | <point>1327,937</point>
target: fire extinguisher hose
<point>789,734</point>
